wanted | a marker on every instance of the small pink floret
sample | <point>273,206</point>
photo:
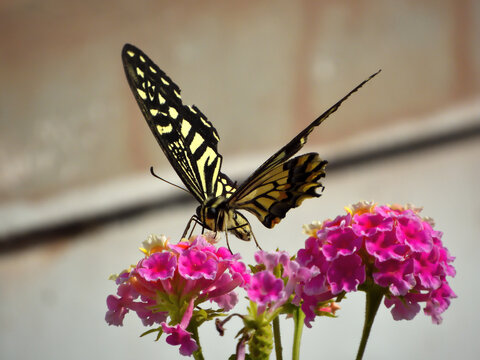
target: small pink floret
<point>195,264</point>
<point>158,266</point>
<point>264,287</point>
<point>179,336</point>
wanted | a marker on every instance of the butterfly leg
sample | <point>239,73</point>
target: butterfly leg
<point>228,244</point>
<point>256,242</point>
<point>196,221</point>
<point>225,230</point>
<point>193,228</point>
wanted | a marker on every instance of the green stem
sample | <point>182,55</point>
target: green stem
<point>298,318</point>
<point>197,355</point>
<point>374,296</point>
<point>278,338</point>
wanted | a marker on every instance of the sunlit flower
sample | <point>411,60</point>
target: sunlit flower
<point>391,246</point>
<point>171,281</point>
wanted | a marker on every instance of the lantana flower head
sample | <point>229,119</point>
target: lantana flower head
<point>171,280</point>
<point>272,287</point>
<point>272,291</point>
<point>391,247</point>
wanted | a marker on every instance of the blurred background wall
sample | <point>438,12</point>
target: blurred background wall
<point>76,197</point>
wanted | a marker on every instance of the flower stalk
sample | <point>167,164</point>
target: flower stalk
<point>374,296</point>
<point>197,354</point>
<point>277,339</point>
<point>298,319</point>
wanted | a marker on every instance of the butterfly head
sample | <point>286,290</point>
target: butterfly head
<point>212,212</point>
<point>216,215</point>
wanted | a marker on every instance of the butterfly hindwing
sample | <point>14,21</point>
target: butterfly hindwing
<point>282,188</point>
<point>185,135</point>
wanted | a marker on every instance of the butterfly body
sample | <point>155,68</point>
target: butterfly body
<point>189,142</point>
<point>216,215</point>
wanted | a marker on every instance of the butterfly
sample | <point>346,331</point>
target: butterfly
<point>190,141</point>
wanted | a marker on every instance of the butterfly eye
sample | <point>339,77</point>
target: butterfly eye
<point>199,211</point>
<point>211,213</point>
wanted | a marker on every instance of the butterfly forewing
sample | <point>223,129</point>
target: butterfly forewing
<point>185,135</point>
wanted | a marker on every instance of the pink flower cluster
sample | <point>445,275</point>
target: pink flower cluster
<point>391,246</point>
<point>269,291</point>
<point>173,279</point>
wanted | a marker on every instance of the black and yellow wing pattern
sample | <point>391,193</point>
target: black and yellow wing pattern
<point>190,141</point>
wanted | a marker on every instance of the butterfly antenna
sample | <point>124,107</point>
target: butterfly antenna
<point>168,182</point>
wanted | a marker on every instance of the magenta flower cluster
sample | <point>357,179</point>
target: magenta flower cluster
<point>173,279</point>
<point>269,291</point>
<point>390,246</point>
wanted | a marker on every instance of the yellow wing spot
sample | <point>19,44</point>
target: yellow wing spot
<point>219,189</point>
<point>204,121</point>
<point>161,99</point>
<point>165,81</point>
<point>196,142</point>
<point>306,187</point>
<point>263,189</point>
<point>173,112</point>
<point>278,195</point>
<point>164,114</point>
<point>141,73</point>
<point>142,59</point>
<point>176,93</point>
<point>207,158</point>
<point>152,70</point>
<point>301,160</point>
<point>149,83</point>
<point>186,126</point>
<point>154,112</point>
<point>130,53</point>
<point>142,94</point>
<point>284,187</point>
<point>192,109</point>
<point>151,96</point>
<point>266,202</point>
<point>311,166</point>
<point>164,129</point>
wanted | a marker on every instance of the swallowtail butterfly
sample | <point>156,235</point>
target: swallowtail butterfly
<point>190,141</point>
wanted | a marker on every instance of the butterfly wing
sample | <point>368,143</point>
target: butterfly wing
<point>187,138</point>
<point>281,183</point>
<point>283,187</point>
